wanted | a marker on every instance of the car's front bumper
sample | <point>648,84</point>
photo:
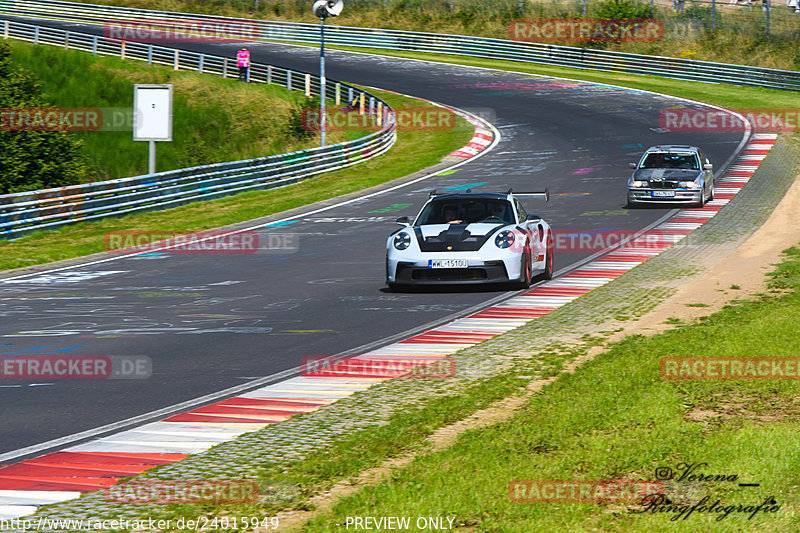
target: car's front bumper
<point>413,268</point>
<point>680,196</point>
<point>489,272</point>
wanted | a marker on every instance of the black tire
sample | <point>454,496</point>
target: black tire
<point>525,279</point>
<point>711,196</point>
<point>549,260</point>
<point>399,287</point>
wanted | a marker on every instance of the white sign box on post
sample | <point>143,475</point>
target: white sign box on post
<point>152,116</point>
<point>152,112</point>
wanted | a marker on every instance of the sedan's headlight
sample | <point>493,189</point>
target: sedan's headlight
<point>402,240</point>
<point>504,239</point>
<point>637,183</point>
<point>689,185</point>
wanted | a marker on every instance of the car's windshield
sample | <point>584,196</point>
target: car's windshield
<point>467,211</point>
<point>684,160</point>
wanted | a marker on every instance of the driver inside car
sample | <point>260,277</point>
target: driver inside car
<point>497,210</point>
<point>451,214</point>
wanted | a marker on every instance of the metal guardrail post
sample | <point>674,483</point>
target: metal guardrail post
<point>308,85</point>
<point>177,64</point>
<point>269,74</point>
<point>289,79</point>
<point>338,94</point>
<point>225,68</point>
<point>200,63</point>
<point>149,54</point>
<point>36,35</point>
<point>768,10</point>
<point>5,30</point>
<point>94,45</point>
<point>122,50</point>
<point>66,40</point>
<point>713,15</point>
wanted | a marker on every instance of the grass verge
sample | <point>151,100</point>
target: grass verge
<point>412,152</point>
<point>617,419</point>
<point>214,119</point>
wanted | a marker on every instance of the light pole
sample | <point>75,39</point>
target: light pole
<point>713,15</point>
<point>324,9</point>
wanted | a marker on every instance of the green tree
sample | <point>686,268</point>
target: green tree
<point>31,160</point>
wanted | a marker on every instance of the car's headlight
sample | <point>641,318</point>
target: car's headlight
<point>402,240</point>
<point>504,239</point>
<point>689,184</point>
<point>637,183</point>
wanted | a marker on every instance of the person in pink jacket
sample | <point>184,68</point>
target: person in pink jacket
<point>243,62</point>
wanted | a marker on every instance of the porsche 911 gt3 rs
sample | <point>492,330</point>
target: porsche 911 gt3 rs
<point>470,238</point>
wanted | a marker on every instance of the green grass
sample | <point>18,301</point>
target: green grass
<point>616,418</point>
<point>412,152</point>
<point>214,120</point>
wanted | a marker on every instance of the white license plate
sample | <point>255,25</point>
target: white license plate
<point>447,263</point>
<point>668,194</point>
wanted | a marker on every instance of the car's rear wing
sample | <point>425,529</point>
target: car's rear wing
<point>545,193</point>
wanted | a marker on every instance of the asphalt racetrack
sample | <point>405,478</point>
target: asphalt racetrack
<point>213,321</point>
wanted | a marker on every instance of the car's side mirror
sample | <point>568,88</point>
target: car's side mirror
<point>404,221</point>
<point>632,165</point>
<point>708,166</point>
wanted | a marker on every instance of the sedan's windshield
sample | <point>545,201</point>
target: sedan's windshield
<point>685,160</point>
<point>467,211</point>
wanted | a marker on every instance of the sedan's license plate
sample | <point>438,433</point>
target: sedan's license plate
<point>668,194</point>
<point>447,263</point>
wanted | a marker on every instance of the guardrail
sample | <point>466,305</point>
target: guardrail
<point>24,212</point>
<point>482,47</point>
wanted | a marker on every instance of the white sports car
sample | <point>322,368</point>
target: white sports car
<point>471,238</point>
